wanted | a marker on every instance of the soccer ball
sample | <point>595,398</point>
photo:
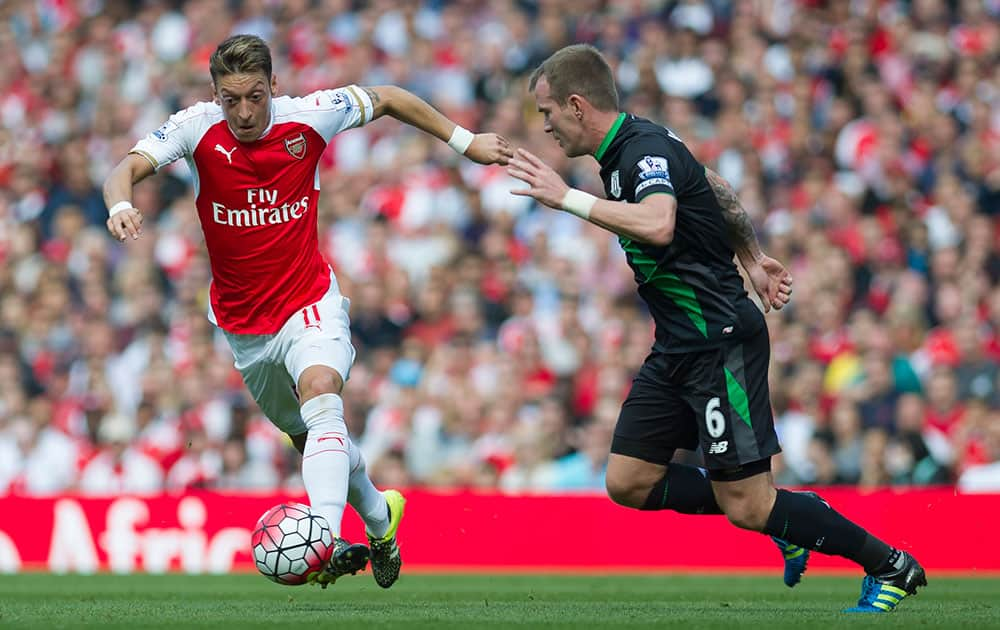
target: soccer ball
<point>290,543</point>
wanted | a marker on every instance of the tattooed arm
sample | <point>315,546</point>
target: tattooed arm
<point>742,238</point>
<point>409,108</point>
<point>406,107</point>
<point>770,279</point>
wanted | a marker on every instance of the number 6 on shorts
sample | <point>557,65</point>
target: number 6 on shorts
<point>715,422</point>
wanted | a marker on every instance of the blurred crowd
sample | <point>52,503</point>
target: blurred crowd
<point>497,339</point>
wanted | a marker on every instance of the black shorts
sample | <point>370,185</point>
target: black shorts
<point>717,398</point>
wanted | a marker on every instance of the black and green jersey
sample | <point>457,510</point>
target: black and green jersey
<point>692,287</point>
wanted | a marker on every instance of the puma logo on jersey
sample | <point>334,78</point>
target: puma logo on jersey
<point>228,154</point>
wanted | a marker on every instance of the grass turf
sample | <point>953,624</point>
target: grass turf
<point>467,601</point>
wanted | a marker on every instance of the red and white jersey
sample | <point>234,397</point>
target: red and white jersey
<point>257,201</point>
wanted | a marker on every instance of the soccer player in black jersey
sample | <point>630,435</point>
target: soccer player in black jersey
<point>705,381</point>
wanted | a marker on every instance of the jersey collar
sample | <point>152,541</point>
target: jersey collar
<point>601,150</point>
<point>270,123</point>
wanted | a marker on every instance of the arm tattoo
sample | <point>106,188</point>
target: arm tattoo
<point>739,227</point>
<point>372,94</point>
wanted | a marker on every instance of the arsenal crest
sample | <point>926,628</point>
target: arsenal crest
<point>296,146</point>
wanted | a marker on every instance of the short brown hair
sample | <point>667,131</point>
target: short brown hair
<point>578,69</point>
<point>240,54</point>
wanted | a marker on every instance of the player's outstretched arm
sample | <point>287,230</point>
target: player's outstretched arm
<point>770,279</point>
<point>404,106</point>
<point>125,220</point>
<point>649,221</point>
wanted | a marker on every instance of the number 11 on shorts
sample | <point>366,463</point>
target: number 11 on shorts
<point>315,312</point>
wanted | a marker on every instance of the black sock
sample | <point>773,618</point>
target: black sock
<point>806,521</point>
<point>888,562</point>
<point>683,489</point>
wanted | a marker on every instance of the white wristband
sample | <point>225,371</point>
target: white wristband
<point>118,207</point>
<point>460,139</point>
<point>578,202</point>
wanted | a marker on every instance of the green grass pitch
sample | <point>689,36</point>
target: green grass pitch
<point>481,601</point>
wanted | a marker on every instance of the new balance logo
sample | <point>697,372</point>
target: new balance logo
<point>717,448</point>
<point>228,154</point>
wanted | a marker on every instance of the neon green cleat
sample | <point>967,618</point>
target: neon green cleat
<point>385,557</point>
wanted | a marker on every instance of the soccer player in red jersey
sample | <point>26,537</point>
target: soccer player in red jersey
<point>254,157</point>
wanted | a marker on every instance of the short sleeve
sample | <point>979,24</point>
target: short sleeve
<point>339,109</point>
<point>650,173</point>
<point>177,137</point>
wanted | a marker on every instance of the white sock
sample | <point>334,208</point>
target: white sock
<point>365,497</point>
<point>326,459</point>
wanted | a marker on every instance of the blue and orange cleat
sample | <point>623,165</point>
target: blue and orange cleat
<point>882,593</point>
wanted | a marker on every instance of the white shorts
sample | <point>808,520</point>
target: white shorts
<point>319,334</point>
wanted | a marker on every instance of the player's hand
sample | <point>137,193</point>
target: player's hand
<point>545,185</point>
<point>489,148</point>
<point>772,282</point>
<point>126,223</point>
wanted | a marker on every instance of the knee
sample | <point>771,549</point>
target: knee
<point>747,515</point>
<point>747,503</point>
<point>626,491</point>
<point>746,509</point>
<point>318,383</point>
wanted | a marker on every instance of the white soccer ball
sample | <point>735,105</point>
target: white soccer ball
<point>290,543</point>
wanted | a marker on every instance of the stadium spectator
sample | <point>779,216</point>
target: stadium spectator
<point>985,477</point>
<point>863,138</point>
<point>239,472</point>
<point>120,466</point>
